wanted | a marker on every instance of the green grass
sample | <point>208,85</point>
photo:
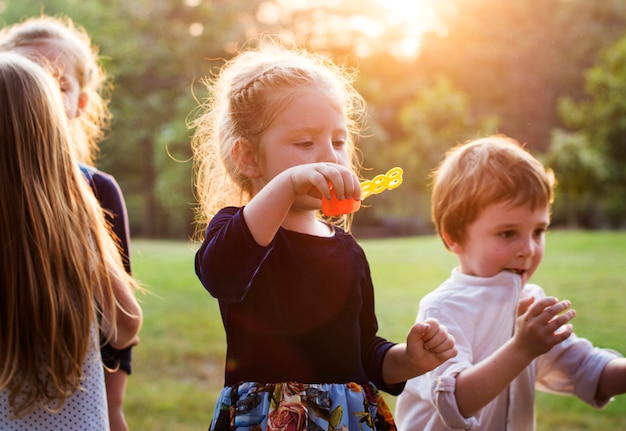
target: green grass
<point>178,366</point>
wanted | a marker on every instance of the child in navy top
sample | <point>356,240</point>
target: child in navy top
<point>294,289</point>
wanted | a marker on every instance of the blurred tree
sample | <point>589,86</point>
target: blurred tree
<point>156,51</point>
<point>580,172</point>
<point>515,58</point>
<point>435,119</point>
<point>507,60</point>
<point>601,119</point>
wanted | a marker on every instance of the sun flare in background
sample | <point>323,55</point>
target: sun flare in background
<point>396,26</point>
<point>412,18</point>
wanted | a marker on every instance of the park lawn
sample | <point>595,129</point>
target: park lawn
<point>178,366</point>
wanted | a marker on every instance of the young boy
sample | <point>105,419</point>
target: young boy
<point>491,206</point>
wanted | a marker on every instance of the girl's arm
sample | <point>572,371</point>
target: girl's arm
<point>271,207</point>
<point>267,210</point>
<point>128,313</point>
<point>539,327</point>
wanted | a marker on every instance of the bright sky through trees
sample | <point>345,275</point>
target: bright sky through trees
<point>396,26</point>
<point>414,18</point>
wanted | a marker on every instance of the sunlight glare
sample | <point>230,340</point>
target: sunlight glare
<point>196,29</point>
<point>415,17</point>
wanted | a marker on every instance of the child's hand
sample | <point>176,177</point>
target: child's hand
<point>314,179</point>
<point>543,324</point>
<point>429,345</point>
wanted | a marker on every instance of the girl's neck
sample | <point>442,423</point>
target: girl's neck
<point>307,222</point>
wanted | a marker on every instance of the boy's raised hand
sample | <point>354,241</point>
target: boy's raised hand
<point>542,324</point>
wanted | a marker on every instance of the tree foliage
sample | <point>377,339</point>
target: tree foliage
<point>580,173</point>
<point>515,58</point>
<point>601,119</point>
<point>157,52</point>
<point>485,65</point>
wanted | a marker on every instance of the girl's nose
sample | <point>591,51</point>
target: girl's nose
<point>328,153</point>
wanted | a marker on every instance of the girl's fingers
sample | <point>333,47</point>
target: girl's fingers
<point>447,343</point>
<point>344,183</point>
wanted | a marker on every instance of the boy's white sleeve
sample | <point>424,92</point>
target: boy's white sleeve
<point>422,397</point>
<point>480,314</point>
<point>574,367</point>
<point>429,400</point>
<point>443,389</point>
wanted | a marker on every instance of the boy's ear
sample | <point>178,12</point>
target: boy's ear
<point>246,160</point>
<point>452,243</point>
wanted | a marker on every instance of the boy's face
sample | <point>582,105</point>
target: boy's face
<point>504,237</point>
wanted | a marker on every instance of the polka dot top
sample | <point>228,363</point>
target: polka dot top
<point>86,410</point>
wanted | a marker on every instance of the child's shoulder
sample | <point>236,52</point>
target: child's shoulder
<point>102,183</point>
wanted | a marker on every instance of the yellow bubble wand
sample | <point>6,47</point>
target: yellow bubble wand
<point>388,181</point>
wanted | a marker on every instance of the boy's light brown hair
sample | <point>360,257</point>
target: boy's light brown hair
<point>483,172</point>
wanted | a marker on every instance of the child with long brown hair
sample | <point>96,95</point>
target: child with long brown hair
<point>67,52</point>
<point>61,273</point>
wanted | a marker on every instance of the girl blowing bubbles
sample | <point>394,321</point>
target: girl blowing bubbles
<point>294,290</point>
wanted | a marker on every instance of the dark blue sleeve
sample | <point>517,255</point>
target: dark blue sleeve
<point>109,194</point>
<point>229,257</point>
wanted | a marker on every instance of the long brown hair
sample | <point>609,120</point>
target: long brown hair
<point>54,245</point>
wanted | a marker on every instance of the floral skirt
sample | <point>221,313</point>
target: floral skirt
<point>301,407</point>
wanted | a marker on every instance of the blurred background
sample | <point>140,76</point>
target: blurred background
<point>550,73</point>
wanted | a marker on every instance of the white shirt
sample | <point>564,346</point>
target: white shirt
<point>480,313</point>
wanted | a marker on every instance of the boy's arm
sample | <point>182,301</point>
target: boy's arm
<point>480,384</point>
<point>539,327</point>
<point>613,379</point>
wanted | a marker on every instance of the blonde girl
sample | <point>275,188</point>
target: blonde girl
<point>58,261</point>
<point>279,129</point>
<point>73,59</point>
<point>66,51</point>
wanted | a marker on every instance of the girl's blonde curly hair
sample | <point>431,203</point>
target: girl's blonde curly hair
<point>245,97</point>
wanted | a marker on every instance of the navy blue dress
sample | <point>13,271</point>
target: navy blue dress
<point>300,327</point>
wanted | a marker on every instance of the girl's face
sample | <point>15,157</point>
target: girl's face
<point>312,128</point>
<point>60,66</point>
<point>504,238</point>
